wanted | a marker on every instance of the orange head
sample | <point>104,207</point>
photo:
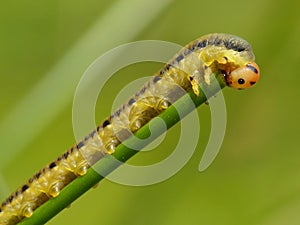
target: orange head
<point>243,77</point>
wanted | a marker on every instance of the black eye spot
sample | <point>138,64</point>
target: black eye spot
<point>241,81</point>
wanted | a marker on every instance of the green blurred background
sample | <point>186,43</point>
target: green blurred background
<point>46,46</point>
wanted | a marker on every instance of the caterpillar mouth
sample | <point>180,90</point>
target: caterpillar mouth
<point>226,77</point>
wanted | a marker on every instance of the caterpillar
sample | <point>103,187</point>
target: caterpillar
<point>224,54</point>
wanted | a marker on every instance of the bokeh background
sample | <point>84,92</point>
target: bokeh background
<point>45,46</point>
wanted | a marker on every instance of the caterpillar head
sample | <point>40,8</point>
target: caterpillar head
<point>243,77</point>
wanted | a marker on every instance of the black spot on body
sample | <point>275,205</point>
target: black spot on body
<point>93,133</point>
<point>131,101</point>
<point>156,79</point>
<point>217,42</point>
<point>161,72</point>
<point>240,48</point>
<point>192,48</point>
<point>58,158</point>
<point>38,174</point>
<point>10,198</point>
<point>118,112</point>
<point>52,165</point>
<point>25,187</point>
<point>31,180</point>
<point>229,44</point>
<point>187,51</point>
<point>80,144</point>
<point>142,91</point>
<point>105,123</point>
<point>202,44</point>
<point>252,82</point>
<point>168,66</point>
<point>179,58</point>
<point>66,154</point>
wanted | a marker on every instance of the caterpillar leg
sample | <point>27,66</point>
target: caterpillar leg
<point>109,139</point>
<point>144,110</point>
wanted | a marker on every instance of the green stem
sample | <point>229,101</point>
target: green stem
<point>82,184</point>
